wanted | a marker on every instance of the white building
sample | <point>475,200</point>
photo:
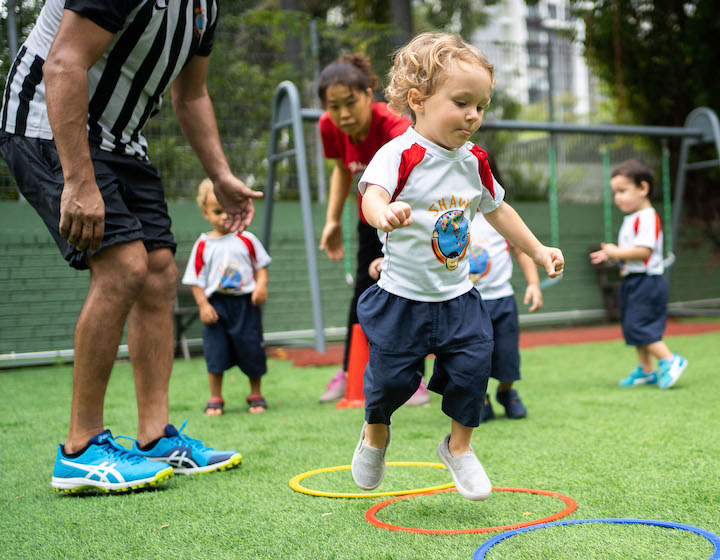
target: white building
<point>534,56</point>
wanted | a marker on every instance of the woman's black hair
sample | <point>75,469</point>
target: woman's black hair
<point>351,70</point>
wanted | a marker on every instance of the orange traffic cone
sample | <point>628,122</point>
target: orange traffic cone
<point>357,360</point>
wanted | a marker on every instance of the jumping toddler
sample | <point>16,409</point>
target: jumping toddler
<point>421,191</point>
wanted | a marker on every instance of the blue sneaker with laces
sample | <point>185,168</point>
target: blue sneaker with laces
<point>106,465</point>
<point>639,377</point>
<point>187,455</point>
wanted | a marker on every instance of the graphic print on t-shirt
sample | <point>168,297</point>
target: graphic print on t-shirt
<point>450,238</point>
<point>231,279</point>
<point>480,261</point>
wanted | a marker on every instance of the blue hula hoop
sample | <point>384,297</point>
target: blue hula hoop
<point>713,538</point>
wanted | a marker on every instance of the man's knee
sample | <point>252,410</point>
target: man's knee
<point>162,274</point>
<point>121,269</point>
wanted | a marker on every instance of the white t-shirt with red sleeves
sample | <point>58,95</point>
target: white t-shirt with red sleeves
<point>427,260</point>
<point>491,264</point>
<point>642,229</point>
<point>226,264</point>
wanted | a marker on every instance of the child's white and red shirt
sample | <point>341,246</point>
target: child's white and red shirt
<point>642,229</point>
<point>491,264</point>
<point>428,260</point>
<point>226,264</point>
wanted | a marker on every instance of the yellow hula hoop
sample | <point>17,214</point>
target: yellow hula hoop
<point>295,482</point>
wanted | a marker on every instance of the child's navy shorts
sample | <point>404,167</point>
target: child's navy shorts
<point>643,308</point>
<point>237,337</point>
<point>135,207</point>
<point>506,354</point>
<point>401,334</point>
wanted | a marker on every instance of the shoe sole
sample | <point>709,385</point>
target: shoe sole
<point>74,485</point>
<point>230,463</point>
<point>637,382</point>
<point>674,380</point>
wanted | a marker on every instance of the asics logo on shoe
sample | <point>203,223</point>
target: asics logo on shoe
<point>178,459</point>
<point>102,471</point>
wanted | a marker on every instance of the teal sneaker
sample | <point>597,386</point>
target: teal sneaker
<point>106,465</point>
<point>671,370</point>
<point>185,454</point>
<point>638,377</point>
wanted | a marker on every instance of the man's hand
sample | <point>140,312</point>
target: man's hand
<point>395,215</point>
<point>331,241</point>
<point>82,215</point>
<point>236,199</point>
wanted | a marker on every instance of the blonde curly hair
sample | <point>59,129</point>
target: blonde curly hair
<point>205,189</point>
<point>423,63</point>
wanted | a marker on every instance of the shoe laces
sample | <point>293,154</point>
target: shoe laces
<point>188,441</point>
<point>117,451</point>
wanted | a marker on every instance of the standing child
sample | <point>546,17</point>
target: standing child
<point>228,275</point>
<point>421,190</point>
<point>490,270</point>
<point>644,290</point>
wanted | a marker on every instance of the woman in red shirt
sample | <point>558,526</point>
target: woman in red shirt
<point>353,128</point>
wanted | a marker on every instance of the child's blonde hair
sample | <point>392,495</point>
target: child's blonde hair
<point>424,62</point>
<point>205,189</point>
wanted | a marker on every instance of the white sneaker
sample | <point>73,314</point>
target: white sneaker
<point>368,463</point>
<point>467,472</point>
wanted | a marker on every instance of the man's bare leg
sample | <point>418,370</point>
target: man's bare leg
<point>151,344</point>
<point>117,275</point>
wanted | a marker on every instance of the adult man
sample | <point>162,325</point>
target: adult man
<point>84,83</point>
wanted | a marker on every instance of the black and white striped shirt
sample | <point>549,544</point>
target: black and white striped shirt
<point>154,40</point>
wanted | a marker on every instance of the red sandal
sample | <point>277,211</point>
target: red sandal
<point>215,403</point>
<point>257,402</point>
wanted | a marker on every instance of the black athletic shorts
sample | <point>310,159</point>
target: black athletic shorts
<point>135,206</point>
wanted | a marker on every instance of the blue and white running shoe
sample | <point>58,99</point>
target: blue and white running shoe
<point>187,455</point>
<point>671,370</point>
<point>639,377</point>
<point>106,465</point>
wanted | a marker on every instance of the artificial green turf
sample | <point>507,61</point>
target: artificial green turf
<point>634,453</point>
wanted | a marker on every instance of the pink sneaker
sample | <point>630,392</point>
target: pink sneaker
<point>421,396</point>
<point>335,389</point>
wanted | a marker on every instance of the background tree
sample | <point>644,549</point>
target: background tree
<point>660,60</point>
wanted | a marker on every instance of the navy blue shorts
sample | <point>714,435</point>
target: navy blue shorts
<point>401,333</point>
<point>643,308</point>
<point>135,207</point>
<point>237,337</point>
<point>506,353</point>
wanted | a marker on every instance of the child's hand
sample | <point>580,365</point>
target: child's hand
<point>259,296</point>
<point>551,259</point>
<point>606,253</point>
<point>395,215</point>
<point>208,315</point>
<point>374,268</point>
<point>533,295</point>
